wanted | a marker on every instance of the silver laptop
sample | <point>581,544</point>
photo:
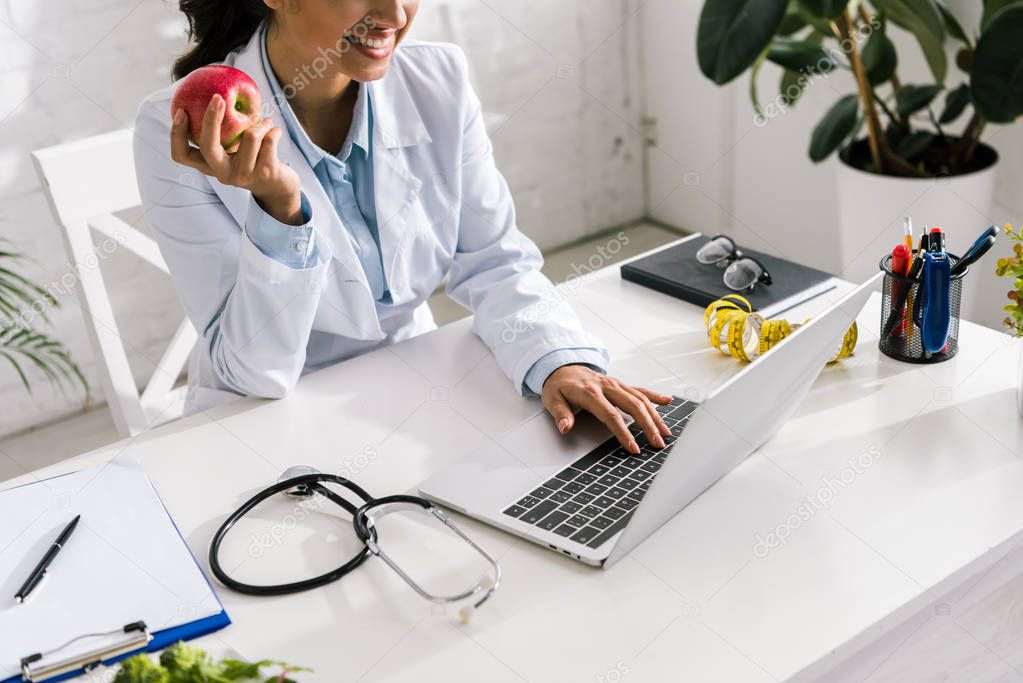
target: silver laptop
<point>584,496</point>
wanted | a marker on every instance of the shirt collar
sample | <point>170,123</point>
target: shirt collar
<point>358,132</point>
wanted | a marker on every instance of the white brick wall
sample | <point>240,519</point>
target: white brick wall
<point>564,74</point>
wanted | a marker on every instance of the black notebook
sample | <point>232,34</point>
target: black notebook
<point>676,271</point>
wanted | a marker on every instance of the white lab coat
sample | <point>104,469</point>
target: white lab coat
<point>443,209</point>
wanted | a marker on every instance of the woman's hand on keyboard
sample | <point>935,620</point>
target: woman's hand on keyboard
<point>573,387</point>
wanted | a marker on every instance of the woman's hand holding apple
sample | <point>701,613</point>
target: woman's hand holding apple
<point>254,166</point>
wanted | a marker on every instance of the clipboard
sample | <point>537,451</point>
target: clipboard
<point>131,560</point>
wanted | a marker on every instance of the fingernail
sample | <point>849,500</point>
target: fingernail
<point>215,102</point>
<point>633,446</point>
<point>563,424</point>
<point>179,117</point>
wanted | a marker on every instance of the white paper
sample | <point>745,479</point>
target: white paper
<point>124,563</point>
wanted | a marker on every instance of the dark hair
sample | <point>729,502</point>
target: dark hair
<point>217,27</point>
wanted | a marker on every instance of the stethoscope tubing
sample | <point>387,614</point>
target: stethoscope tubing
<point>313,482</point>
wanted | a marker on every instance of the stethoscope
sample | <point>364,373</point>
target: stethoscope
<point>302,483</point>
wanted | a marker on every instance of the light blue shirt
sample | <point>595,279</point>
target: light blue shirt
<point>347,178</point>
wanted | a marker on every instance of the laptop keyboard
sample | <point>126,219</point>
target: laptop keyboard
<point>593,498</point>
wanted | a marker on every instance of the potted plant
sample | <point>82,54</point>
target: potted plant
<point>23,306</point>
<point>907,161</point>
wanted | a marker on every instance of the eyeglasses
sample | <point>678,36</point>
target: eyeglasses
<point>742,272</point>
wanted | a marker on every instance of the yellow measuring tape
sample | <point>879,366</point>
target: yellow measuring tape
<point>735,330</point>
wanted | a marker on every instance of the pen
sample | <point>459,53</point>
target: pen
<point>901,258</point>
<point>980,247</point>
<point>40,569</point>
<point>904,301</point>
<point>918,263</point>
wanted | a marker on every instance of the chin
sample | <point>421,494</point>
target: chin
<point>367,74</point>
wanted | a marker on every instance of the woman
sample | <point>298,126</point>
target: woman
<point>369,180</point>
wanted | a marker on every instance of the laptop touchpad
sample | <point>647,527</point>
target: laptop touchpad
<point>537,444</point>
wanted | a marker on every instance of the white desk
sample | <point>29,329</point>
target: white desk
<point>938,506</point>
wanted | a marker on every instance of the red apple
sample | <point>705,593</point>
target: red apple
<point>240,94</point>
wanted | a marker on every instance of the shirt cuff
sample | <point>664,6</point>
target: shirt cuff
<point>532,385</point>
<point>292,245</point>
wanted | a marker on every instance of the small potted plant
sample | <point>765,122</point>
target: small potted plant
<point>907,160</point>
<point>1012,267</point>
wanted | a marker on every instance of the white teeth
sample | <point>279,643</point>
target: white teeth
<point>369,42</point>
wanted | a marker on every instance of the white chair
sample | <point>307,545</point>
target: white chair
<point>85,182</point>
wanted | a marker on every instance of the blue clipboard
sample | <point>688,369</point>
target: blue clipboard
<point>144,640</point>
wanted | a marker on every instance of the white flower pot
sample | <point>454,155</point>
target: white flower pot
<point>871,208</point>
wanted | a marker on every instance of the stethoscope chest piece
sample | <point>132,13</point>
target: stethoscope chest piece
<point>300,491</point>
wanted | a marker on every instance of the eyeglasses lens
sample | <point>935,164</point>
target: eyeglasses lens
<point>742,274</point>
<point>715,251</point>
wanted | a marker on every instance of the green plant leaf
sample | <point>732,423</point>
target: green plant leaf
<point>754,72</point>
<point>837,124</point>
<point>732,34</point>
<point>792,21</point>
<point>854,133</point>
<point>879,56</point>
<point>913,98</point>
<point>914,144</point>
<point>791,87</point>
<point>952,25</point>
<point>955,102</point>
<point>18,293</point>
<point>48,355</point>
<point>996,76</point>
<point>894,134</point>
<point>801,55</point>
<point>824,9</point>
<point>17,369</point>
<point>923,19</point>
<point>992,7</point>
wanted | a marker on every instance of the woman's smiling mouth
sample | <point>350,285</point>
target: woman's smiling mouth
<point>374,47</point>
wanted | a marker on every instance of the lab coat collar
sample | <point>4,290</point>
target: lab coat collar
<point>396,120</point>
<point>359,307</point>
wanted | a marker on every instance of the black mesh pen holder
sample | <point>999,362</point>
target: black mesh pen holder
<point>903,340</point>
